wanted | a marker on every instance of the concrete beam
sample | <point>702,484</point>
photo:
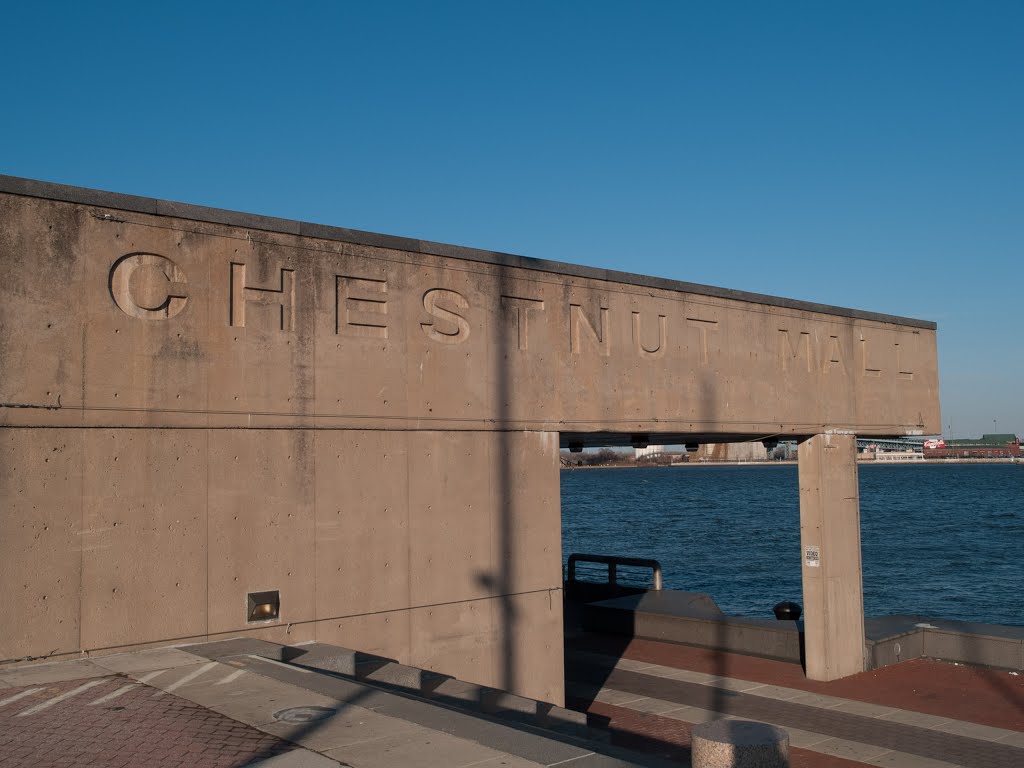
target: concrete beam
<point>831,558</point>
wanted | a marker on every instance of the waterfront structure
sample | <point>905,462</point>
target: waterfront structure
<point>217,424</point>
<point>751,450</point>
<point>648,451</point>
<point>1003,446</point>
<point>892,456</point>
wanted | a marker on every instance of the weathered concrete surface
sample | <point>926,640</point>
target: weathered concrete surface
<point>199,404</point>
<point>830,540</point>
<point>393,542</point>
<point>142,320</point>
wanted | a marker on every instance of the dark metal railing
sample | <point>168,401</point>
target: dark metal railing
<point>613,562</point>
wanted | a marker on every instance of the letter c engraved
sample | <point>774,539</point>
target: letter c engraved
<point>148,286</point>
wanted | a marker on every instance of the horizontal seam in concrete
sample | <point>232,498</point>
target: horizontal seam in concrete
<point>473,424</point>
<point>184,640</point>
<point>85,196</point>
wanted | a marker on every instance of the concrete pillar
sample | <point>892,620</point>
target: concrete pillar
<point>830,544</point>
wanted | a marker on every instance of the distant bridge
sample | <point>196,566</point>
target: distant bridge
<point>892,444</point>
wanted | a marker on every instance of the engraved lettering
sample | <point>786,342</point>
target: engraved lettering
<point>834,356</point>
<point>703,326</point>
<point>578,319</point>
<point>282,299</point>
<point>522,307</point>
<point>903,370</point>
<point>868,369</point>
<point>442,334</point>
<point>148,286</point>
<point>641,348</point>
<point>359,306</point>
<point>790,350</point>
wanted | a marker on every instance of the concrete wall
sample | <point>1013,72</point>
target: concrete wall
<point>198,404</point>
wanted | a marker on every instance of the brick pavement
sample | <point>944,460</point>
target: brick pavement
<point>931,744</point>
<point>670,738</point>
<point>971,694</point>
<point>138,727</point>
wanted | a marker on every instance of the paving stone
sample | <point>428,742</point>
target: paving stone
<point>611,696</point>
<point>297,758</point>
<point>350,725</point>
<point>498,735</point>
<point>637,666</point>
<point>52,672</point>
<point>695,715</point>
<point>919,719</point>
<point>777,692</point>
<point>1013,739</point>
<point>973,730</point>
<point>687,675</point>
<point>237,646</point>
<point>903,760</point>
<point>257,703</point>
<point>851,750</point>
<point>415,749</point>
<point>135,728</point>
<point>816,700</point>
<point>941,689</point>
<point>654,706</point>
<point>863,708</point>
<point>878,734</point>
<point>801,738</point>
<point>729,684</point>
<point>507,761</point>
<point>146,661</point>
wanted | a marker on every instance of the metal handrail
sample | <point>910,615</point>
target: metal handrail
<point>613,561</point>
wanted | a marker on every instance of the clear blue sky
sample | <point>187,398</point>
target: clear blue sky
<point>865,154</point>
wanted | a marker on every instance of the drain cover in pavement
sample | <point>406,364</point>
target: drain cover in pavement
<point>303,714</point>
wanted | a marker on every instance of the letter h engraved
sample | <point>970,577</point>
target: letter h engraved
<point>283,297</point>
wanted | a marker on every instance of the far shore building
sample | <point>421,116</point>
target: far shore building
<point>1001,446</point>
<point>746,451</point>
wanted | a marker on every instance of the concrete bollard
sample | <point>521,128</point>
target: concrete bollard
<point>739,744</point>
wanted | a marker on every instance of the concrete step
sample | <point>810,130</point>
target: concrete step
<point>443,689</point>
<point>364,666</point>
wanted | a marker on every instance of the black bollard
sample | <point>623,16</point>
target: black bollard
<point>787,611</point>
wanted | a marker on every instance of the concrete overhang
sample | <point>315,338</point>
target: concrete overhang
<point>392,332</point>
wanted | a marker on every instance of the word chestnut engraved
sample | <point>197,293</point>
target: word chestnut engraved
<point>149,286</point>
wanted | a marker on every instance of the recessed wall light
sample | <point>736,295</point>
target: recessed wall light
<point>264,606</point>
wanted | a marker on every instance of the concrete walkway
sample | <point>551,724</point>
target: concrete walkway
<point>222,705</point>
<point>172,707</point>
<point>921,714</point>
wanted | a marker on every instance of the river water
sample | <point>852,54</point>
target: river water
<point>944,541</point>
